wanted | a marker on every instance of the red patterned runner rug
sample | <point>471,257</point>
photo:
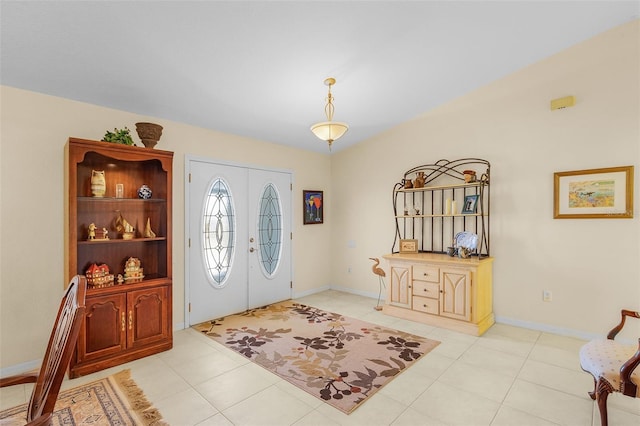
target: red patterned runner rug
<point>338,359</point>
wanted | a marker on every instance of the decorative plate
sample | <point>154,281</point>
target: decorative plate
<point>466,239</point>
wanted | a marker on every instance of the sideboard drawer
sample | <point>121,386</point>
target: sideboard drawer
<point>426,273</point>
<point>425,289</point>
<point>424,304</point>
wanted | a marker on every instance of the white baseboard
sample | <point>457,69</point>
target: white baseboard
<point>546,328</point>
<point>298,294</point>
<point>372,295</point>
<point>369,294</point>
<point>20,368</point>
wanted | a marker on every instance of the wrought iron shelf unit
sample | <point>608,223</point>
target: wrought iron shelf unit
<point>423,213</point>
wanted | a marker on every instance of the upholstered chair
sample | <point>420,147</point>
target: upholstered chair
<point>613,366</point>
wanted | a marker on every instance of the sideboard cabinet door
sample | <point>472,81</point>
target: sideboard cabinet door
<point>401,286</point>
<point>455,299</point>
<point>148,316</point>
<point>104,331</point>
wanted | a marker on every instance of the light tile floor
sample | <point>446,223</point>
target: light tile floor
<point>510,376</point>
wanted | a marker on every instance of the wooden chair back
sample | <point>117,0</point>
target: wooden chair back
<point>59,350</point>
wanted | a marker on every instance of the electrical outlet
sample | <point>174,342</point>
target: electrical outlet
<point>546,296</point>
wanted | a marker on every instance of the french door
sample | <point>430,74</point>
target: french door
<point>239,230</point>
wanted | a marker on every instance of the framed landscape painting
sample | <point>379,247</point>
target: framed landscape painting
<point>594,193</point>
<point>313,207</point>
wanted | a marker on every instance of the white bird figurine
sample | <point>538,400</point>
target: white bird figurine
<point>381,274</point>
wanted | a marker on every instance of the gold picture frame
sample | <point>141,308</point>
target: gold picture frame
<point>408,246</point>
<point>593,194</point>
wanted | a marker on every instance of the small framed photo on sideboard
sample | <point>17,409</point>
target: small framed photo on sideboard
<point>408,246</point>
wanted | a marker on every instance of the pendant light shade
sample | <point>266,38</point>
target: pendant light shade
<point>329,130</point>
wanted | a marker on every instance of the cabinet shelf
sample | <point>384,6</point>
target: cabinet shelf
<point>417,216</point>
<point>119,200</point>
<point>148,281</point>
<point>442,187</point>
<point>120,241</point>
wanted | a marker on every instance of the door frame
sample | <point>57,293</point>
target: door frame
<point>188,158</point>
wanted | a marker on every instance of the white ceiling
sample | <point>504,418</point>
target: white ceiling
<point>257,68</point>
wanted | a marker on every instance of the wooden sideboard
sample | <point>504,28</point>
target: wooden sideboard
<point>440,290</point>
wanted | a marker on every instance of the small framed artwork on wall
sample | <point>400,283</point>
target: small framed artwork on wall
<point>313,208</point>
<point>593,193</point>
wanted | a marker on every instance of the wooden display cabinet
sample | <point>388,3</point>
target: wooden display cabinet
<point>133,319</point>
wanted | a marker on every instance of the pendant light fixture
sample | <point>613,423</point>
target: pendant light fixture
<point>329,130</point>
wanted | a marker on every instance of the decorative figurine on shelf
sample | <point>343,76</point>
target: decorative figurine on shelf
<point>407,183</point>
<point>92,231</point>
<point>132,270</point>
<point>99,276</point>
<point>97,234</point>
<point>124,227</point>
<point>464,252</point>
<point>148,233</point>
<point>98,183</point>
<point>144,192</point>
<point>381,274</point>
<point>419,182</point>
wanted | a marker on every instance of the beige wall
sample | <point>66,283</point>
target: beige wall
<point>590,265</point>
<point>35,129</point>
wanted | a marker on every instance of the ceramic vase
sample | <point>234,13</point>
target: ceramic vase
<point>98,183</point>
<point>144,192</point>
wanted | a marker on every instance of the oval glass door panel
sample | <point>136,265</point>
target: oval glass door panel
<point>269,230</point>
<point>219,230</point>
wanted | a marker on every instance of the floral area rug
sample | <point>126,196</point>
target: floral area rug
<point>338,359</point>
<point>114,400</point>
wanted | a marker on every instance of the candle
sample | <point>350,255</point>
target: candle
<point>448,206</point>
<point>454,207</point>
